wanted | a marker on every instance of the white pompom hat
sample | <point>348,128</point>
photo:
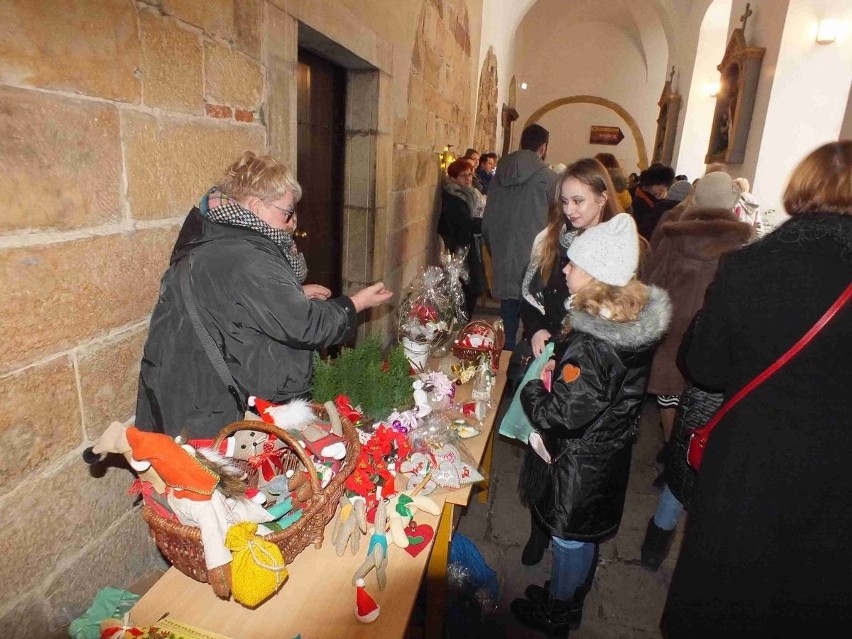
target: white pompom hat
<point>609,252</point>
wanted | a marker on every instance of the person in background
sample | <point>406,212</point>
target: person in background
<point>674,196</point>
<point>585,412</point>
<point>472,155</point>
<point>654,182</point>
<point>460,228</point>
<point>516,211</point>
<point>684,263</point>
<point>484,172</point>
<point>583,200</point>
<point>766,552</point>
<point>246,276</point>
<point>616,174</point>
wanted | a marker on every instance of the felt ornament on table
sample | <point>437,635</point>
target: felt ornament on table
<point>416,467</point>
<point>377,550</point>
<point>384,447</point>
<point>120,629</point>
<point>262,451</point>
<point>366,608</point>
<point>419,536</point>
<point>295,415</point>
<point>150,497</point>
<point>453,470</point>
<point>401,508</point>
<point>350,524</point>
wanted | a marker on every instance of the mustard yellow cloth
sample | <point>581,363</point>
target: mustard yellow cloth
<point>257,569</point>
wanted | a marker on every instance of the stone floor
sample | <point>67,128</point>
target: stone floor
<point>625,601</point>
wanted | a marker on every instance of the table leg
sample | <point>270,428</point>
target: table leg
<point>436,572</point>
<point>486,469</point>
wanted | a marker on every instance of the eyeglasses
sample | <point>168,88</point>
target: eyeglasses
<point>289,213</point>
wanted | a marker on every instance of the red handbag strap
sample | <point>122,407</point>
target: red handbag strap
<point>786,357</point>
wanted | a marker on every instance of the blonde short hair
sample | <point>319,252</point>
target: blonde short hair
<point>616,303</point>
<point>260,176</point>
<point>822,182</point>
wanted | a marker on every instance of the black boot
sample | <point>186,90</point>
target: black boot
<point>536,544</point>
<point>537,593</point>
<point>656,545</point>
<point>551,616</point>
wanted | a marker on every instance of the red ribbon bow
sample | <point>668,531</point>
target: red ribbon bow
<point>268,461</point>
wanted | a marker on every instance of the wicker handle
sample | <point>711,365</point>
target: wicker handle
<point>250,424</point>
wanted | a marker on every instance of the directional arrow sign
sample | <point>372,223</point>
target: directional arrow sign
<point>605,135</point>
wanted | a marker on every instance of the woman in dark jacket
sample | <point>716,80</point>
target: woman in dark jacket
<point>245,275</point>
<point>586,423</point>
<point>767,550</point>
<point>684,264</point>
<point>460,227</point>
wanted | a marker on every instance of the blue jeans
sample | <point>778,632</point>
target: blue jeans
<point>669,510</point>
<point>572,561</point>
<point>510,312</point>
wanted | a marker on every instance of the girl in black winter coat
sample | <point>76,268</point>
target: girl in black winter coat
<point>585,411</point>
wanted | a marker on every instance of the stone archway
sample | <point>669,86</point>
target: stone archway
<point>609,104</point>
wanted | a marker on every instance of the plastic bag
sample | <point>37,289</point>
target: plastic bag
<point>515,423</point>
<point>426,314</point>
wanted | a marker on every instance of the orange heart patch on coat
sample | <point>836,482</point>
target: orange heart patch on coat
<point>570,373</point>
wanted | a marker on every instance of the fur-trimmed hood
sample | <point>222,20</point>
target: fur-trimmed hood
<point>642,333</point>
<point>705,233</point>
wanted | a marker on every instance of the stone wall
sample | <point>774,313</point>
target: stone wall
<point>485,138</point>
<point>116,116</point>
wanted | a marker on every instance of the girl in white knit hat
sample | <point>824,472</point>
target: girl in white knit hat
<point>585,410</point>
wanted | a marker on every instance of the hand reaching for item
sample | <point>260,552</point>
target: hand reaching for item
<point>371,296</point>
<point>538,341</point>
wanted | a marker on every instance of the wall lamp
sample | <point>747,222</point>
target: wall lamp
<point>827,31</point>
<point>713,88</point>
<point>446,157</point>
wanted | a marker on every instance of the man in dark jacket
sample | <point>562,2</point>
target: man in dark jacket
<point>484,172</point>
<point>518,199</point>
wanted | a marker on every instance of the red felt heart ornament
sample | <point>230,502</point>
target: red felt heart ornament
<point>418,537</point>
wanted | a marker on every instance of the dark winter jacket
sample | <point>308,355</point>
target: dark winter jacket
<point>643,203</point>
<point>482,179</point>
<point>767,548</point>
<point>516,211</point>
<point>253,306</point>
<point>683,264</point>
<point>458,228</point>
<point>589,420</point>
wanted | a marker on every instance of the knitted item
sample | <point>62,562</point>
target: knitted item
<point>218,207</point>
<point>716,190</point>
<point>258,569</point>
<point>609,252</point>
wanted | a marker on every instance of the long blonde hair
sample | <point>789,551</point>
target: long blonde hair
<point>615,303</point>
<point>594,175</point>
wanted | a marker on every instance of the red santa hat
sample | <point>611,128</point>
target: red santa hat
<point>366,608</point>
<point>295,414</point>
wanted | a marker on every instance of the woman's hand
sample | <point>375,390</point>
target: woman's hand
<point>538,341</point>
<point>316,292</point>
<point>371,296</point>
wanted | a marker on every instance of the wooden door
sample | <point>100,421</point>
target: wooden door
<point>321,103</point>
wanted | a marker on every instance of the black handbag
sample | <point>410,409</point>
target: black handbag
<point>696,408</point>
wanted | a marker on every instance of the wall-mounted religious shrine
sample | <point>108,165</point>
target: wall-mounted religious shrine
<point>669,104</point>
<point>740,70</point>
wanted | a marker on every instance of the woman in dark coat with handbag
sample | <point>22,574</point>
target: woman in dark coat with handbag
<point>767,549</point>
<point>460,226</point>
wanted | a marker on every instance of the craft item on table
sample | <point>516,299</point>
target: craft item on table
<point>463,371</point>
<point>478,339</point>
<point>121,629</point>
<point>417,467</point>
<point>452,469</point>
<point>283,515</point>
<point>401,508</point>
<point>478,410</point>
<point>434,431</point>
<point>202,489</point>
<point>152,498</point>
<point>421,399</point>
<point>366,608</point>
<point>263,452</point>
<point>464,430</point>
<point>425,316</point>
<point>375,380</point>
<point>419,536</point>
<point>350,524</point>
<point>377,550</point>
<point>257,569</point>
<point>483,380</point>
<point>403,422</point>
<point>384,447</point>
<point>456,270</point>
<point>439,389</point>
<point>294,415</point>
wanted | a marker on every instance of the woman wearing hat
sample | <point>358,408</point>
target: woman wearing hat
<point>585,412</point>
<point>236,281</point>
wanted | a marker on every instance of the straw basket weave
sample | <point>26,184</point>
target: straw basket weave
<point>182,545</point>
<point>469,353</point>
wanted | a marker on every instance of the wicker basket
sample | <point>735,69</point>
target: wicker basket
<point>182,545</point>
<point>469,353</point>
